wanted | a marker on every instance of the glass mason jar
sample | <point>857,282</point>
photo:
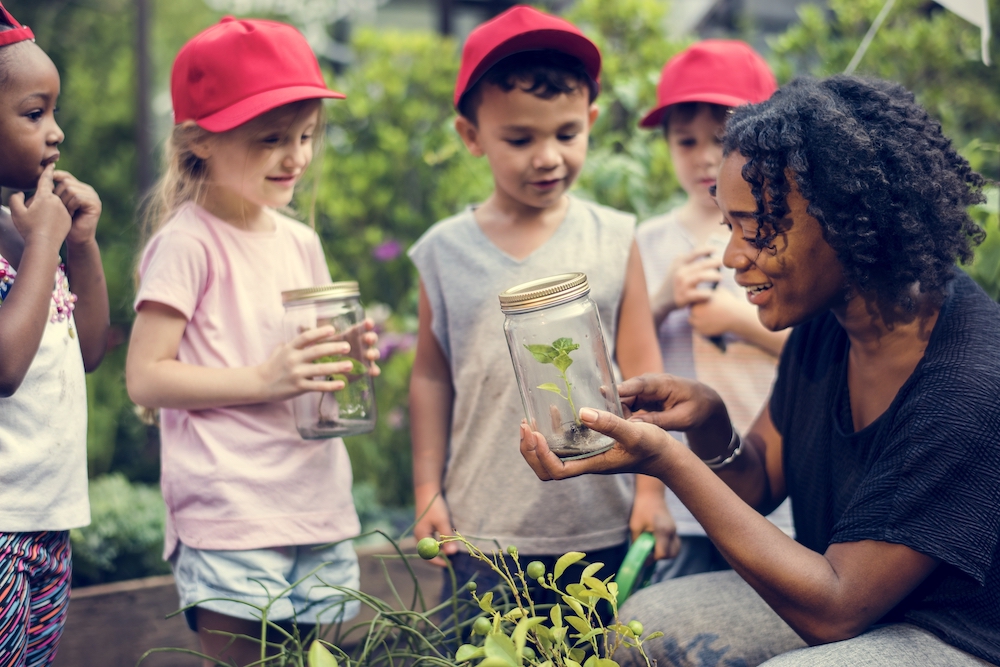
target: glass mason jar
<point>350,411</point>
<point>561,361</point>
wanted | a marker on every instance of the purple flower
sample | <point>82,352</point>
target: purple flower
<point>387,251</point>
<point>391,342</point>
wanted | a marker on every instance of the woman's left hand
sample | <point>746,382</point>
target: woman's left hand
<point>639,448</point>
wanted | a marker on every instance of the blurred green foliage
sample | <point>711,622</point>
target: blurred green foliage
<point>929,50</point>
<point>125,537</point>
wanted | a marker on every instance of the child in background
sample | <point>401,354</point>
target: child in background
<point>525,95</point>
<point>708,330</point>
<point>51,337</point>
<point>247,498</point>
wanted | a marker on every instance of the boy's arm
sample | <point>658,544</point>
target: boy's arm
<point>638,352</point>
<point>431,400</point>
<point>726,313</point>
<point>84,268</point>
<point>43,223</point>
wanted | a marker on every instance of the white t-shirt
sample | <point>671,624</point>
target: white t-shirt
<point>43,427</point>
<point>742,374</point>
<point>241,477</point>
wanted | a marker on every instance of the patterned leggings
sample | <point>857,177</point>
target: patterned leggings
<point>35,573</point>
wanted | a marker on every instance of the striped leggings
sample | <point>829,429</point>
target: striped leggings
<point>35,573</point>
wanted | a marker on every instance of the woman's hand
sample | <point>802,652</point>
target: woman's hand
<point>639,448</point>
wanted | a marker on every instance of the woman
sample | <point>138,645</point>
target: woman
<point>847,210</point>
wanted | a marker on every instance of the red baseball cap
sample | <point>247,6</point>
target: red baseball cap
<point>238,69</point>
<point>717,71</point>
<point>522,28</point>
<point>20,33</point>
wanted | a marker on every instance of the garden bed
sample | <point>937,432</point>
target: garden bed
<point>112,625</point>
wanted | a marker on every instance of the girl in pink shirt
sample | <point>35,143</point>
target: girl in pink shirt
<point>247,498</point>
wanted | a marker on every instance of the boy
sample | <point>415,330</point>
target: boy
<point>525,95</point>
<point>707,329</point>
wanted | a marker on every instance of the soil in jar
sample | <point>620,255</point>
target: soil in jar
<point>575,440</point>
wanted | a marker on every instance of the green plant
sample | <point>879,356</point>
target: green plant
<point>500,628</point>
<point>125,537</point>
<point>985,267</point>
<point>557,354</point>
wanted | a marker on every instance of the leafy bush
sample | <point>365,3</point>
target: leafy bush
<point>125,537</point>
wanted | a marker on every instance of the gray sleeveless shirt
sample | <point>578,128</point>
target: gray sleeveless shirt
<point>491,491</point>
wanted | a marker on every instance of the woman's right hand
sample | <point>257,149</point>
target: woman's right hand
<point>292,368</point>
<point>44,217</point>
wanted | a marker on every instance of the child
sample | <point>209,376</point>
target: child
<point>525,96</point>
<point>707,333</point>
<point>51,336</point>
<point>247,498</point>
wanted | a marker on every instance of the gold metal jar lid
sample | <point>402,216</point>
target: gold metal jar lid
<point>544,292</point>
<point>341,290</point>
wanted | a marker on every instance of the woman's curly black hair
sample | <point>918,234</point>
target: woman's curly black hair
<point>887,187</point>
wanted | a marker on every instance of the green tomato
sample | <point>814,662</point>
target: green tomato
<point>428,548</point>
<point>635,627</point>
<point>535,570</point>
<point>528,653</point>
<point>471,587</point>
<point>482,626</point>
<point>512,550</point>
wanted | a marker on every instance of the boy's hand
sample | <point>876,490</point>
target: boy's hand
<point>693,270</point>
<point>650,515</point>
<point>435,522</point>
<point>44,217</point>
<point>83,204</point>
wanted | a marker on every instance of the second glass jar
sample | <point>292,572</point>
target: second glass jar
<point>561,360</point>
<point>350,411</point>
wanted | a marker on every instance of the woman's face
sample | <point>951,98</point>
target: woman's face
<point>798,275</point>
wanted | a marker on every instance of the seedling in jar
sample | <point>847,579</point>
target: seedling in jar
<point>357,369</point>
<point>557,354</point>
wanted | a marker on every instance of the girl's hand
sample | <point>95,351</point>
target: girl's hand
<point>372,353</point>
<point>83,204</point>
<point>44,217</point>
<point>639,448</point>
<point>291,370</point>
<point>694,269</point>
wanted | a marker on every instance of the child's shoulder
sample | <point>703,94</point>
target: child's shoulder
<point>604,214</point>
<point>299,230</point>
<point>447,230</point>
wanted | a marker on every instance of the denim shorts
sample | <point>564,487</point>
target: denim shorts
<point>293,583</point>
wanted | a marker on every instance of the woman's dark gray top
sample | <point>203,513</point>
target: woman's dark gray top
<point>925,474</point>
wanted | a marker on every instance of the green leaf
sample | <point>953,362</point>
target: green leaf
<point>591,569</point>
<point>575,605</point>
<point>556,615</point>
<point>337,377</point>
<point>496,662</point>
<point>577,654</point>
<point>579,624</point>
<point>565,561</point>
<point>594,584</point>
<point>542,353</point>
<point>469,652</point>
<point>562,361</point>
<point>605,662</point>
<point>499,645</point>
<point>551,386</point>
<point>320,656</point>
<point>654,635</point>
<point>520,634</point>
<point>485,603</point>
<point>565,345</point>
<point>357,368</point>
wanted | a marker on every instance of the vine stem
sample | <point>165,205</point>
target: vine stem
<point>569,398</point>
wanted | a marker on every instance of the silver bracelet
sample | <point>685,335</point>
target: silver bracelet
<point>734,450</point>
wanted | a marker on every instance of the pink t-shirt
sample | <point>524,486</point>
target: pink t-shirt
<point>241,477</point>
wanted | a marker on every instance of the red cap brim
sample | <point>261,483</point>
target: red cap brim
<point>19,33</point>
<point>655,117</point>
<point>251,107</point>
